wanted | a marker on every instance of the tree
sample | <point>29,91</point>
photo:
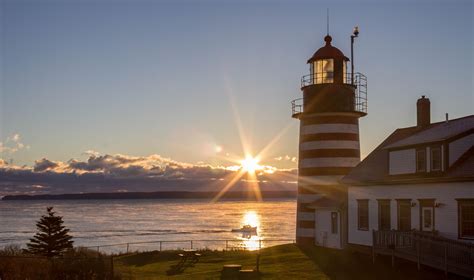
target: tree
<point>52,238</point>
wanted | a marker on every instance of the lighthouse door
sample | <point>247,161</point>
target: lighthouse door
<point>327,229</point>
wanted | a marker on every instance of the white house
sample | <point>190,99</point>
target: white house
<point>419,178</point>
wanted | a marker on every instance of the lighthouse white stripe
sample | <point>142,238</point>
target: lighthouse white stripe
<point>329,128</point>
<point>305,232</point>
<point>319,180</point>
<point>315,145</point>
<point>329,162</point>
<point>305,216</point>
<point>307,198</point>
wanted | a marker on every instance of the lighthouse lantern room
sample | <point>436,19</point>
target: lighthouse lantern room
<point>333,101</point>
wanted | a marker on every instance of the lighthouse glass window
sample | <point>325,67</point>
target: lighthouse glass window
<point>323,71</point>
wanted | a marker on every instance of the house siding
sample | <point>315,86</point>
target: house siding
<point>446,216</point>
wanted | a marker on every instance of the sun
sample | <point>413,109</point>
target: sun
<point>250,164</point>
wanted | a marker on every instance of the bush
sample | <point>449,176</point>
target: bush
<point>79,263</point>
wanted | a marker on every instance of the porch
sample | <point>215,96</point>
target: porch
<point>428,249</point>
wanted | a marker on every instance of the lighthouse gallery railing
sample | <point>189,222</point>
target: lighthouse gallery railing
<point>360,84</point>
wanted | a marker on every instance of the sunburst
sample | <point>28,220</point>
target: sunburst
<point>248,165</point>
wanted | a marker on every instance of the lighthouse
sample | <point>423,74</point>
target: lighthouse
<point>333,101</point>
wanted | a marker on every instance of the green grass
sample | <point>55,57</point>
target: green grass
<point>278,262</point>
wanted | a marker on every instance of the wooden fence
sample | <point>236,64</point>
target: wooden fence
<point>427,249</point>
<point>224,244</point>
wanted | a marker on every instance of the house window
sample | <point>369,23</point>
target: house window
<point>436,159</point>
<point>427,218</point>
<point>404,214</point>
<point>421,160</point>
<point>363,214</point>
<point>466,218</point>
<point>334,228</point>
<point>384,214</point>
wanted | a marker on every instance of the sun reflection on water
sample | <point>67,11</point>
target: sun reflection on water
<point>251,218</point>
<point>251,242</point>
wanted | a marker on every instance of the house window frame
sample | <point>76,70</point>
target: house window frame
<point>418,152</point>
<point>440,159</point>
<point>359,223</point>
<point>406,202</point>
<point>334,223</point>
<point>381,203</point>
<point>460,215</point>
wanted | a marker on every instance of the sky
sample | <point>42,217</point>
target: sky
<point>170,78</point>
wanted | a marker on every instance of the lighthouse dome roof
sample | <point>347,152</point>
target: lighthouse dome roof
<point>328,51</point>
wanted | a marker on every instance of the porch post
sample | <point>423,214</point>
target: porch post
<point>373,246</point>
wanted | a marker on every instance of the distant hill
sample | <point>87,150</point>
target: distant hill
<point>155,195</point>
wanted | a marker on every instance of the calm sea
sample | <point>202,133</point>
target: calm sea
<point>103,222</point>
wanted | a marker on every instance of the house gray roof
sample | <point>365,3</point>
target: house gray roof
<point>374,168</point>
<point>437,132</point>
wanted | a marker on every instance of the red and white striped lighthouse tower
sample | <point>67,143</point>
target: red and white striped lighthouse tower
<point>333,101</point>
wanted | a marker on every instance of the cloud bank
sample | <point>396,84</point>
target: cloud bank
<point>118,172</point>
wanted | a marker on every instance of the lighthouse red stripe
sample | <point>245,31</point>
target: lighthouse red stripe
<point>306,224</point>
<point>307,190</point>
<point>305,240</point>
<point>330,119</point>
<point>303,207</point>
<point>314,171</point>
<point>329,153</point>
<point>329,136</point>
<point>316,189</point>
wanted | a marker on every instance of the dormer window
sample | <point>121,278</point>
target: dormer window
<point>436,158</point>
<point>421,160</point>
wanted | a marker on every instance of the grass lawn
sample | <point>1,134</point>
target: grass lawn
<point>278,262</point>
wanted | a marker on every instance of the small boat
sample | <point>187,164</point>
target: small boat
<point>246,229</point>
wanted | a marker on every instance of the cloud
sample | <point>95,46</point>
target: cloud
<point>91,153</point>
<point>13,144</point>
<point>44,165</point>
<point>16,137</point>
<point>285,158</point>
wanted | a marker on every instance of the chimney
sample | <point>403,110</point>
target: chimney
<point>423,112</point>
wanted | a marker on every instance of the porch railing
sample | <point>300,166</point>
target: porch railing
<point>428,249</point>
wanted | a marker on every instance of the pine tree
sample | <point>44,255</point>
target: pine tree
<point>52,238</point>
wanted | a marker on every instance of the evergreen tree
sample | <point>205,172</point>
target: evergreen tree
<point>52,238</point>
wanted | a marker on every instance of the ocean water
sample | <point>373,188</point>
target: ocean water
<point>104,222</point>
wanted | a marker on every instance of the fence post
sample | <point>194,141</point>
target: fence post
<point>226,245</point>
<point>160,246</point>
<point>258,262</point>
<point>98,248</point>
<point>112,265</point>
<point>127,248</point>
<point>260,244</point>
<point>191,244</point>
<point>418,254</point>
<point>393,257</point>
<point>446,258</point>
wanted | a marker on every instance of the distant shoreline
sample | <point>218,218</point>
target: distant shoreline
<point>154,195</point>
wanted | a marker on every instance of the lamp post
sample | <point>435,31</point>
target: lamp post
<point>355,33</point>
